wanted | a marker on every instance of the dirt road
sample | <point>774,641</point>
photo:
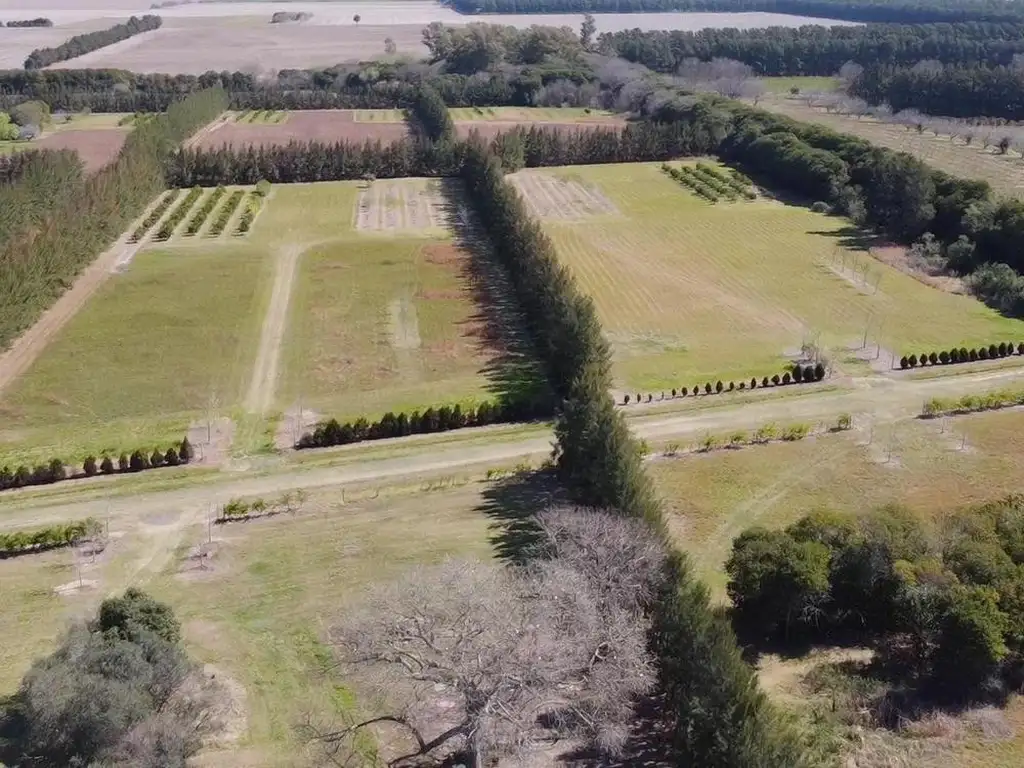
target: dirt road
<point>874,400</point>
<point>265,372</point>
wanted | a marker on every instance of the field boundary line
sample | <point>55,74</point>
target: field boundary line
<point>29,345</point>
<point>263,383</point>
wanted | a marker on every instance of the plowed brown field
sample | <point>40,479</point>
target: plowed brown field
<point>96,148</point>
<point>326,125</point>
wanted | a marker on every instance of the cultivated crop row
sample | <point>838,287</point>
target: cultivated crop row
<point>710,183</point>
<point>226,212</point>
<point>253,205</point>
<point>154,216</point>
<point>51,537</point>
<point>179,213</point>
<point>199,217</point>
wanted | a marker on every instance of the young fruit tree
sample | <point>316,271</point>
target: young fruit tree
<point>482,661</point>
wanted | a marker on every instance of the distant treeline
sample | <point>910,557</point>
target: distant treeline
<point>518,148</point>
<point>40,22</point>
<point>905,11</point>
<point>380,86</point>
<point>79,45</point>
<point>46,244</point>
<point>952,91</point>
<point>816,50</point>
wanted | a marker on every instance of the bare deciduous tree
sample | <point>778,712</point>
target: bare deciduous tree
<point>489,661</point>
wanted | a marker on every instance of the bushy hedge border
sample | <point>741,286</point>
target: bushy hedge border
<point>43,539</point>
<point>443,419</point>
<point>56,470</point>
<point>989,401</point>
<point>798,374</point>
<point>79,45</point>
<point>962,355</point>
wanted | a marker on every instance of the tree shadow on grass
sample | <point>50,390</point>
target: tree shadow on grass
<point>512,504</point>
<point>855,238</point>
<point>514,374</point>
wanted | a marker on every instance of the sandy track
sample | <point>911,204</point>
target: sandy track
<point>885,400</point>
<point>27,347</point>
<point>264,374</point>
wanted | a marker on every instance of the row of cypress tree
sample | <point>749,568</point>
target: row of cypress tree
<point>717,714</point>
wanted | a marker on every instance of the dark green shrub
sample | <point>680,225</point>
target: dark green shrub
<point>764,382</point>
<point>775,379</point>
<point>753,382</point>
<point>944,357</point>
<point>983,354</point>
<point>973,355</point>
<point>933,358</point>
<point>171,458</point>
<point>625,399</point>
<point>138,461</point>
<point>913,361</point>
<point>786,378</point>
<point>993,351</point>
<point>156,459</point>
<point>185,452</point>
<point>798,374</point>
<point>732,386</point>
<point>904,363</point>
<point>719,387</point>
<point>707,388</point>
<point>89,466</point>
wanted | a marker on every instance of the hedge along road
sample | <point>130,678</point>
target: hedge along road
<point>870,400</point>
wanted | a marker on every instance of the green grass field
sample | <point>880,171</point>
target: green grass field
<point>526,114</point>
<point>144,356</point>
<point>381,318</point>
<point>88,121</point>
<point>805,84</point>
<point>261,611</point>
<point>689,291</point>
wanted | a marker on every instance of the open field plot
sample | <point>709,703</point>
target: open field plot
<point>327,125</point>
<point>97,138</point>
<point>379,116</point>
<point>805,84</point>
<point>689,291</point>
<point>1004,172</point>
<point>531,114</point>
<point>149,353</point>
<point>382,316</point>
<point>260,609</point>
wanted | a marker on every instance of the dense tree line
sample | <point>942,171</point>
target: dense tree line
<point>904,11</point>
<point>34,185</point>
<point>953,90</point>
<point>817,50</point>
<point>430,117</point>
<point>118,691</point>
<point>944,607</point>
<point>79,45</point>
<point>961,355</point>
<point>38,22</point>
<point>38,262</point>
<point>332,432</point>
<point>716,714</point>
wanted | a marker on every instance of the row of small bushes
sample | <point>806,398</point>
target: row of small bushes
<point>989,401</point>
<point>806,374</point>
<point>253,204</point>
<point>56,470</point>
<point>50,537</point>
<point>443,419</point>
<point>729,185</point>
<point>763,435</point>
<point>199,217</point>
<point>688,178</point>
<point>962,355</point>
<point>226,212</point>
<point>240,509</point>
<point>154,215</point>
<point>178,214</point>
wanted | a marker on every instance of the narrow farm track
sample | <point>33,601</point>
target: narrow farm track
<point>27,347</point>
<point>265,372</point>
<point>869,400</point>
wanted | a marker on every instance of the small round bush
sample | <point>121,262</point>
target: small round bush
<point>904,363</point>
<point>775,379</point>
<point>944,357</point>
<point>798,373</point>
<point>913,361</point>
<point>719,387</point>
<point>753,382</point>
<point>933,359</point>
<point>973,355</point>
<point>707,388</point>
<point>983,354</point>
<point>786,378</point>
<point>764,381</point>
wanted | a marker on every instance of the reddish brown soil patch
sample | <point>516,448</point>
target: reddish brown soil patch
<point>488,129</point>
<point>96,148</point>
<point>443,254</point>
<point>326,125</point>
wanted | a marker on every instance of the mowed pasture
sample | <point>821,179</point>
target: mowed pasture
<point>325,125</point>
<point>934,467</point>
<point>1004,172</point>
<point>385,313</point>
<point>689,291</point>
<point>259,606</point>
<point>161,343</point>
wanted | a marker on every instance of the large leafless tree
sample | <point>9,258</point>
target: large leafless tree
<point>490,660</point>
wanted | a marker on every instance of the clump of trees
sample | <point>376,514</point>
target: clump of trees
<point>443,419</point>
<point>50,537</point>
<point>430,116</point>
<point>56,470</point>
<point>37,22</point>
<point>941,603</point>
<point>119,691</point>
<point>79,45</point>
<point>962,355</point>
